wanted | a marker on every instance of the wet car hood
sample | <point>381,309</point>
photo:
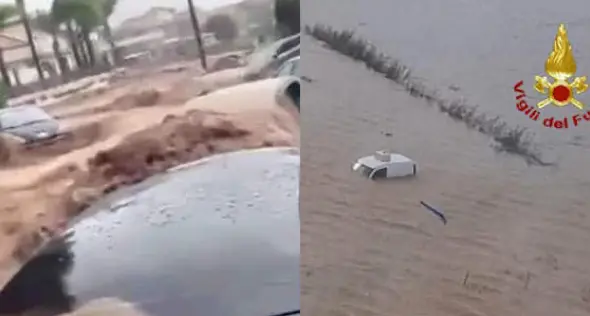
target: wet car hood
<point>219,237</point>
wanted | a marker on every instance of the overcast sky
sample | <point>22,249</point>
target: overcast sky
<point>129,8</point>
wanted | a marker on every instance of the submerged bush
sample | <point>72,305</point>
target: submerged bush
<point>513,140</point>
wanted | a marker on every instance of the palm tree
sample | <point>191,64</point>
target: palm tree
<point>45,22</point>
<point>81,18</point>
<point>20,4</point>
<point>7,12</point>
<point>60,16</point>
<point>197,30</point>
<point>108,7</point>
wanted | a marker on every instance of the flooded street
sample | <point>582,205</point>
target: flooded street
<point>515,242</point>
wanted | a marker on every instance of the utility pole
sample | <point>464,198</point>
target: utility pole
<point>197,30</point>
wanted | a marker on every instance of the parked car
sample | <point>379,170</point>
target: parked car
<point>31,124</point>
<point>217,237</point>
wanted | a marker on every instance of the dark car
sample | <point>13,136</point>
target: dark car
<point>31,124</point>
<point>219,237</point>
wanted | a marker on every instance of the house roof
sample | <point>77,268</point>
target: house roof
<point>13,40</point>
<point>14,36</point>
<point>8,42</point>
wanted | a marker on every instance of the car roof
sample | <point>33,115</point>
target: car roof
<point>218,237</point>
<point>23,108</point>
<point>21,115</point>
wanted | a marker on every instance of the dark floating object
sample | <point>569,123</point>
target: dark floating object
<point>435,211</point>
<point>454,87</point>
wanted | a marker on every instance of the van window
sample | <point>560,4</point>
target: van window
<point>366,171</point>
<point>379,174</point>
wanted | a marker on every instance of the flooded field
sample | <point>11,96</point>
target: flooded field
<point>515,242</point>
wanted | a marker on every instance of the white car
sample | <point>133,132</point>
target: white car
<point>384,164</point>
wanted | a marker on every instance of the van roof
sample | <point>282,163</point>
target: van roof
<point>372,162</point>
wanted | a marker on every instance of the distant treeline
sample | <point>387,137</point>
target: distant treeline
<point>513,140</point>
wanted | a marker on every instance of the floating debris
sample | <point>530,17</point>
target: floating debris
<point>435,211</point>
<point>306,79</point>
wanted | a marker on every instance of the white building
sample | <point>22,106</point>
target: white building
<point>17,53</point>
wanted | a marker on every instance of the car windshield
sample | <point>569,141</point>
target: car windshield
<point>16,117</point>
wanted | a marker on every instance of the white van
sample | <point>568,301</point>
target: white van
<point>384,164</point>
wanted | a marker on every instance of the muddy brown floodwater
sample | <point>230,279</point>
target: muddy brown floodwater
<point>133,129</point>
<point>516,239</point>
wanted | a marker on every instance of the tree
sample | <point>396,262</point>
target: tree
<point>197,31</point>
<point>222,26</point>
<point>81,18</point>
<point>61,16</point>
<point>20,4</point>
<point>287,16</point>
<point>45,22</point>
<point>7,12</point>
<point>108,7</point>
